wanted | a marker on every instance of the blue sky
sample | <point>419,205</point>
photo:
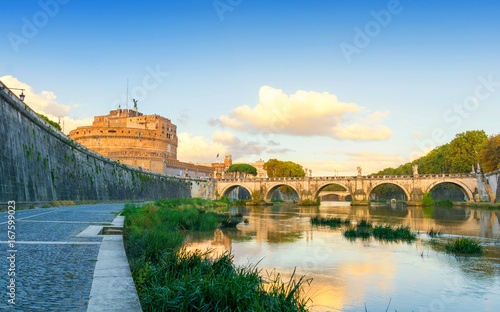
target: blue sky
<point>419,76</point>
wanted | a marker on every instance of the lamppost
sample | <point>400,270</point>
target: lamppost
<point>61,118</point>
<point>21,96</point>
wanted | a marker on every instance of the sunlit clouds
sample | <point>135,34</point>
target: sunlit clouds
<point>200,149</point>
<point>306,113</point>
<point>346,163</point>
<point>45,103</point>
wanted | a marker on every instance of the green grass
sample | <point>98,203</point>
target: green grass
<point>433,232</point>
<point>354,232</point>
<point>364,223</point>
<point>465,246</point>
<point>384,232</point>
<point>170,278</point>
<point>333,222</point>
<point>390,233</point>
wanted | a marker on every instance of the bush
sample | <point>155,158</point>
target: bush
<point>465,246</point>
<point>427,200</point>
<point>256,197</point>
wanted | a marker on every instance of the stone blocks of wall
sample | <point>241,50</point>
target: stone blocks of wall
<point>39,164</point>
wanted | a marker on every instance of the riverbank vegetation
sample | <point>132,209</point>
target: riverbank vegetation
<point>170,278</point>
<point>465,245</point>
<point>465,149</point>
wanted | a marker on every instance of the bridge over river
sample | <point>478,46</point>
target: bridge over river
<point>359,187</point>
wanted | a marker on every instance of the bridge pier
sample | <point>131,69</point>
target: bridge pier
<point>416,197</point>
<point>360,192</point>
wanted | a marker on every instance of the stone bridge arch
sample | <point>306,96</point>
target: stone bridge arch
<point>268,192</point>
<point>322,185</point>
<point>228,189</point>
<point>404,187</point>
<point>467,191</point>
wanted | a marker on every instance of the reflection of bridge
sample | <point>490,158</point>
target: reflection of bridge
<point>339,195</point>
<point>359,187</point>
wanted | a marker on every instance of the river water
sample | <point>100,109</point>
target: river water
<point>351,274</point>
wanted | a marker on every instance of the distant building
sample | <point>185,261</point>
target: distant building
<point>149,142</point>
<point>219,169</point>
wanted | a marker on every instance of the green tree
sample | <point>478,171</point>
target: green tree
<point>243,169</point>
<point>465,150</point>
<point>455,157</point>
<point>489,156</point>
<point>278,169</point>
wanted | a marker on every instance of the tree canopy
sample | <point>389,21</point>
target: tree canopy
<point>489,156</point>
<point>458,156</point>
<point>278,169</point>
<point>242,168</point>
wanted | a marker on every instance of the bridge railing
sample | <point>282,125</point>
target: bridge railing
<point>344,178</point>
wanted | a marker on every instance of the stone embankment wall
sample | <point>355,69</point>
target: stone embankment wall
<point>489,181</point>
<point>39,164</point>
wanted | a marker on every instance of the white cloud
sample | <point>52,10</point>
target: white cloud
<point>225,138</point>
<point>306,113</point>
<point>419,134</point>
<point>45,103</point>
<point>200,149</point>
<point>370,162</point>
<point>278,151</point>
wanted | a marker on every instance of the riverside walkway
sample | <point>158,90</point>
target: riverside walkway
<point>54,267</point>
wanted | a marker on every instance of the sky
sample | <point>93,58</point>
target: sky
<point>330,85</point>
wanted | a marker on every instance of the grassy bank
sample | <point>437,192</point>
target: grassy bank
<point>169,278</point>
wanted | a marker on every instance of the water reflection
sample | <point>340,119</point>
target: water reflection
<point>418,276</point>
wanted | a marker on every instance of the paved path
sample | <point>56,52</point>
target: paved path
<point>54,267</point>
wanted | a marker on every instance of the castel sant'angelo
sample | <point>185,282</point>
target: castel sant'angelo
<point>149,142</point>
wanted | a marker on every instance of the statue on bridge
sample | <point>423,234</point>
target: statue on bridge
<point>415,170</point>
<point>359,171</point>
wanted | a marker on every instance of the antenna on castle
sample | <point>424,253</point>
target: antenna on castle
<point>126,104</point>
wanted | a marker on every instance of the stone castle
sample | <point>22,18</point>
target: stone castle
<point>149,142</point>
